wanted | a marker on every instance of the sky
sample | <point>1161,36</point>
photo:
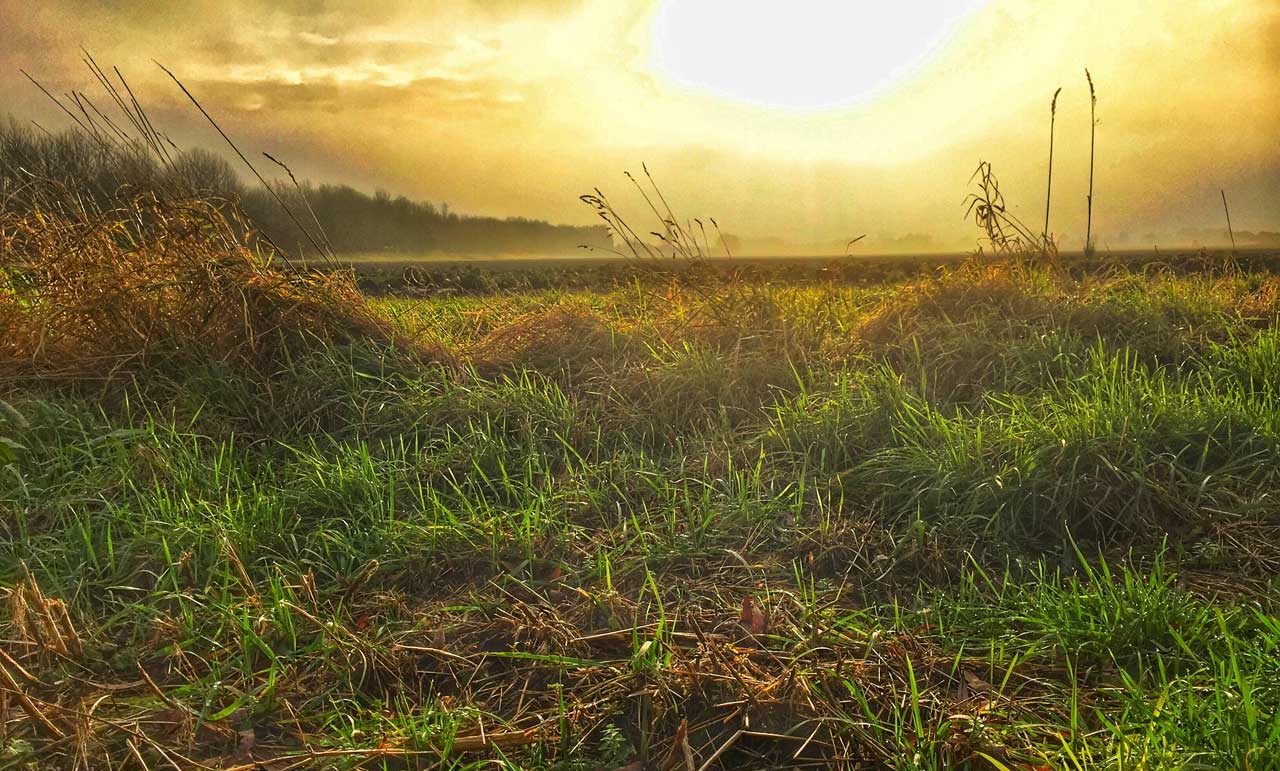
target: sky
<point>797,125</point>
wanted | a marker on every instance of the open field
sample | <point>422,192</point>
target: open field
<point>596,270</point>
<point>296,474</point>
<point>995,517</point>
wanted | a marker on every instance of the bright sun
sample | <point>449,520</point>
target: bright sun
<point>799,54</point>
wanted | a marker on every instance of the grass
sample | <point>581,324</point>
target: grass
<point>995,518</point>
<point>653,513</point>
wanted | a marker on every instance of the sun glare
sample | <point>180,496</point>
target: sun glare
<point>799,55</point>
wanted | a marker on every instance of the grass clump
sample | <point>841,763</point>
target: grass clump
<point>86,295</point>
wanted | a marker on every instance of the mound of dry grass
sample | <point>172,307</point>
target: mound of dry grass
<point>571,335</point>
<point>93,294</point>
<point>977,294</point>
<point>956,295</point>
<point>567,334</point>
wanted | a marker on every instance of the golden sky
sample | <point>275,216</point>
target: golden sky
<point>809,121</point>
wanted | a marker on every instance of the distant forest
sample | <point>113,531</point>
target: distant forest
<point>352,222</point>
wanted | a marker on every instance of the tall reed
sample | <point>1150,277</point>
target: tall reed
<point>1093,131</point>
<point>1053,116</point>
<point>1230,231</point>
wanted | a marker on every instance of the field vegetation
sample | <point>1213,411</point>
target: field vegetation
<point>1001,514</point>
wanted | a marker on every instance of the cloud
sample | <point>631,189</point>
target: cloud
<point>348,94</point>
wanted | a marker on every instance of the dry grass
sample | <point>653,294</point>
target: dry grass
<point>566,334</point>
<point>95,294</point>
<point>729,673</point>
<point>972,288</point>
<point>1092,304</point>
<point>115,260</point>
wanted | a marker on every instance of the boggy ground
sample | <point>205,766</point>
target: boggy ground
<point>999,518</point>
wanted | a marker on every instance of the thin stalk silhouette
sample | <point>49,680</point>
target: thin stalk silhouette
<point>1053,116</point>
<point>1093,130</point>
<point>1230,232</point>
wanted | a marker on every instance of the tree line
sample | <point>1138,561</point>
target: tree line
<point>108,174</point>
<point>354,222</point>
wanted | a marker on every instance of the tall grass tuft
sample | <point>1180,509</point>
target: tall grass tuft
<point>678,255</point>
<point>1006,234</point>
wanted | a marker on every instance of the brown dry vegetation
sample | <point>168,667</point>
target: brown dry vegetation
<point>95,294</point>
